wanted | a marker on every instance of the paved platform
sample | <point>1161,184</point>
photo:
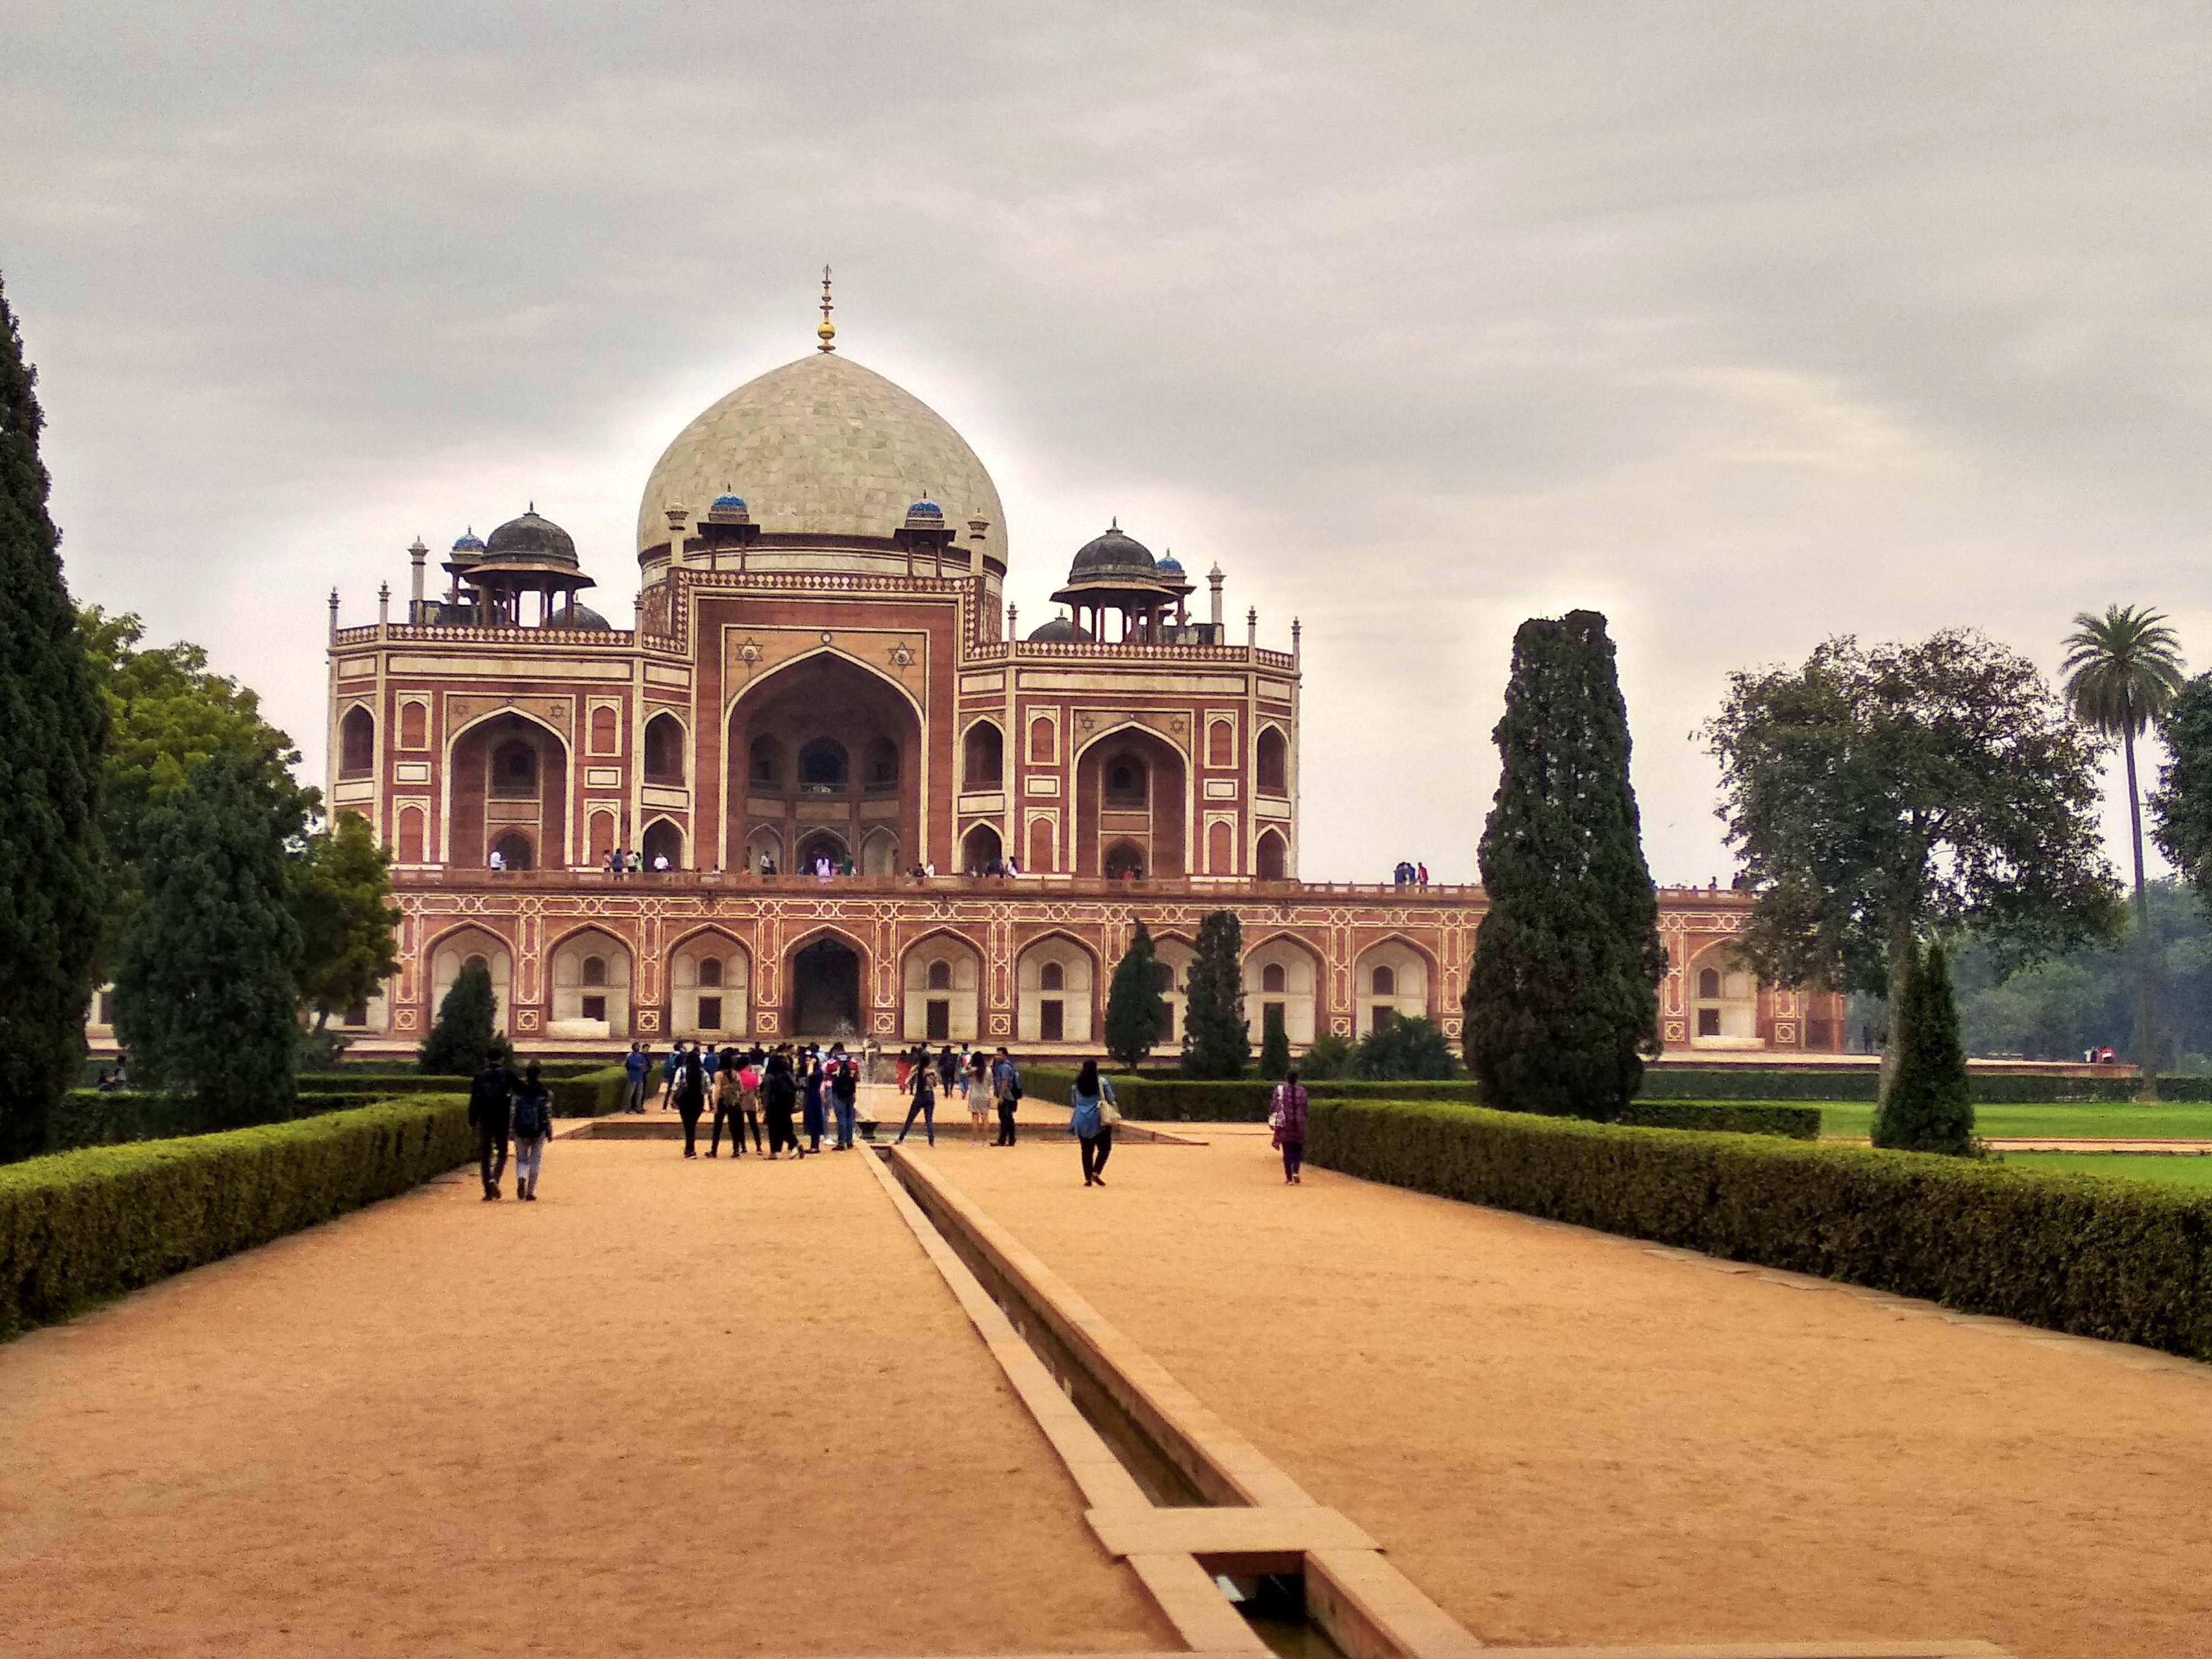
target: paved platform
<point>1565,1437</point>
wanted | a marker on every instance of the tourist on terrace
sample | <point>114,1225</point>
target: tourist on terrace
<point>1286,1115</point>
<point>491,1093</point>
<point>637,1065</point>
<point>1005,1093</point>
<point>691,1099</point>
<point>498,860</point>
<point>533,1128</point>
<point>844,1093</point>
<point>1090,1119</point>
<point>1421,875</point>
<point>636,862</point>
<point>779,1094</point>
<point>615,864</point>
<point>924,1087</point>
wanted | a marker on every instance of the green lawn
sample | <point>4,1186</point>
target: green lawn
<point>2188,1120</point>
<point>2195,1173</point>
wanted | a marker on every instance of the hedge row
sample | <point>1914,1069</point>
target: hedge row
<point>1178,1101</point>
<point>79,1228</point>
<point>1858,1082</point>
<point>592,1094</point>
<point>2126,1261</point>
<point>86,1117</point>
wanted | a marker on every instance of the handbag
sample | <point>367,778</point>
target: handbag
<point>1276,1108</point>
<point>1108,1113</point>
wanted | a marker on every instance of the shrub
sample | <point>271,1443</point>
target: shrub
<point>591,1094</point>
<point>2125,1261</point>
<point>1415,1047</point>
<point>1216,1039</point>
<point>462,1042</point>
<point>86,1117</point>
<point>1329,1056</point>
<point>79,1228</point>
<point>1136,1015</point>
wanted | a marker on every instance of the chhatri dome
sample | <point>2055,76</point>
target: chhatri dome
<point>822,448</point>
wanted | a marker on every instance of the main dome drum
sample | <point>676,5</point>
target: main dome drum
<point>822,447</point>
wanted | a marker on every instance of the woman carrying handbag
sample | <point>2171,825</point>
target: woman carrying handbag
<point>1090,1120</point>
<point>1288,1121</point>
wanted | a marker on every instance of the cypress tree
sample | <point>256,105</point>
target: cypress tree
<point>1928,1107</point>
<point>1217,1037</point>
<point>1562,999</point>
<point>1137,1015</point>
<point>462,1042</point>
<point>55,728</point>
<point>207,998</point>
<point>1274,1045</point>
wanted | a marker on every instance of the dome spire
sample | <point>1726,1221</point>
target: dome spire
<point>828,332</point>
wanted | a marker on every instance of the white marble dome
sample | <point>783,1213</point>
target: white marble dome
<point>826,447</point>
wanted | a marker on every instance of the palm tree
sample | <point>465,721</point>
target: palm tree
<point>2123,669</point>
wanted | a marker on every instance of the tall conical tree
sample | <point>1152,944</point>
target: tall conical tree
<point>1562,1000</point>
<point>207,998</point>
<point>1217,1037</point>
<point>1136,1015</point>
<point>1275,1044</point>
<point>53,730</point>
<point>462,1042</point>
<point>1928,1107</point>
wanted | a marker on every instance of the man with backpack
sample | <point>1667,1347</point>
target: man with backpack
<point>844,1094</point>
<point>491,1093</point>
<point>1007,1091</point>
<point>533,1128</point>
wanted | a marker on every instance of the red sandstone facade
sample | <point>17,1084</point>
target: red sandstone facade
<point>820,673</point>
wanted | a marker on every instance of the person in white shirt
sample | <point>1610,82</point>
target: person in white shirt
<point>660,860</point>
<point>497,861</point>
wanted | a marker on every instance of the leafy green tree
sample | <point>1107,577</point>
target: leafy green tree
<point>1927,1107</point>
<point>207,996</point>
<point>2123,670</point>
<point>1562,999</point>
<point>341,891</point>
<point>167,715</point>
<point>52,731</point>
<point>2181,805</point>
<point>1877,794</point>
<point>1217,1037</point>
<point>462,1042</point>
<point>1400,1049</point>
<point>1275,1044</point>
<point>1136,1015</point>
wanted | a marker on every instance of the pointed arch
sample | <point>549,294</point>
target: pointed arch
<point>710,983</point>
<point>467,826</point>
<point>1066,1012</point>
<point>941,1006</point>
<point>1284,970</point>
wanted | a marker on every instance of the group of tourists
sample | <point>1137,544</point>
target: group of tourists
<point>752,1090</point>
<point>984,1083</point>
<point>1407,873</point>
<point>503,1106</point>
<point>629,862</point>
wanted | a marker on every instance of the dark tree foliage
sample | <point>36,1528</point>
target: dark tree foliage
<point>207,996</point>
<point>1927,1107</point>
<point>462,1042</point>
<point>2181,805</point>
<point>1330,1056</point>
<point>1217,1037</point>
<point>341,886</point>
<point>1562,999</point>
<point>53,730</point>
<point>1401,1048</point>
<point>1136,1015</point>
<point>1878,793</point>
<point>1274,1045</point>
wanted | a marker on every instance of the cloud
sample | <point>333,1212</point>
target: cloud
<point>1746,327</point>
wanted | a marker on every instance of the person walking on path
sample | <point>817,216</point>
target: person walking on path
<point>1090,1120</point>
<point>749,1096</point>
<point>691,1100</point>
<point>533,1128</point>
<point>948,1071</point>
<point>637,1065</point>
<point>725,1094</point>
<point>1287,1117</point>
<point>923,1082</point>
<point>491,1093</point>
<point>845,1095</point>
<point>976,1090</point>
<point>779,1094</point>
<point>669,1067</point>
<point>812,1078</point>
<point>1006,1091</point>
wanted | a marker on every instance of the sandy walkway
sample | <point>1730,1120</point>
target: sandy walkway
<point>1563,1436</point>
<point>671,1409</point>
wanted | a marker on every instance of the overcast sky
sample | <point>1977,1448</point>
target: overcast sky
<point>1743,325</point>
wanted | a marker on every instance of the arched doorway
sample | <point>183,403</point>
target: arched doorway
<point>827,746</point>
<point>821,844</point>
<point>825,989</point>
<point>1130,787</point>
<point>979,850</point>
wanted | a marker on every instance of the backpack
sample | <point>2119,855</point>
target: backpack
<point>530,1117</point>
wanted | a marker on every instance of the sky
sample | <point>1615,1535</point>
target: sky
<point>1744,325</point>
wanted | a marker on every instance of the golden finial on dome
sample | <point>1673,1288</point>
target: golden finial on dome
<point>828,330</point>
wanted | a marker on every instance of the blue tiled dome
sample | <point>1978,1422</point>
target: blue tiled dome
<point>1171,564</point>
<point>470,542</point>
<point>925,509</point>
<point>728,503</point>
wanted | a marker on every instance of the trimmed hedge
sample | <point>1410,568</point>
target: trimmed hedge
<point>593,1094</point>
<point>80,1228</point>
<point>1162,1100</point>
<point>1858,1082</point>
<point>2126,1261</point>
<point>86,1117</point>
